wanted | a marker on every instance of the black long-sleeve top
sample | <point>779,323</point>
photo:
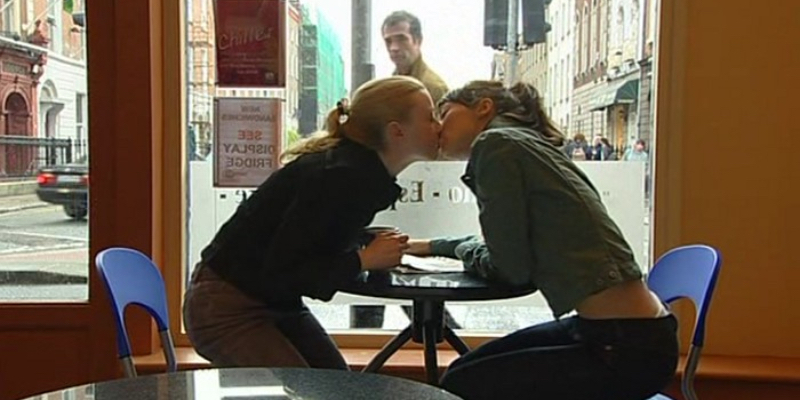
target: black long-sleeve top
<point>298,234</point>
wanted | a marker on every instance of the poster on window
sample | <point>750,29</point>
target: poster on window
<point>251,43</point>
<point>247,135</point>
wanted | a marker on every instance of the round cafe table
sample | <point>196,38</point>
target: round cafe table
<point>428,293</point>
<point>255,383</point>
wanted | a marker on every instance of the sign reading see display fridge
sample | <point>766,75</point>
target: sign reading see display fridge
<point>247,134</point>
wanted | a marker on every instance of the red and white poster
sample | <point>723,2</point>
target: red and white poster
<point>251,43</point>
<point>247,141</point>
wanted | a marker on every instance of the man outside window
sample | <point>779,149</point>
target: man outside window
<point>402,34</point>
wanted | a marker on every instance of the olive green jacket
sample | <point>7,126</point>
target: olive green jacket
<point>543,222</point>
<point>432,81</point>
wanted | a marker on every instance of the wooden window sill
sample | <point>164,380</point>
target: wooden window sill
<point>406,363</point>
<point>409,363</point>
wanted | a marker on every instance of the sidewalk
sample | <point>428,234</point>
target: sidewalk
<point>58,266</point>
<point>20,202</point>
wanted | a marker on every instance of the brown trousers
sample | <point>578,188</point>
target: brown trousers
<point>232,329</point>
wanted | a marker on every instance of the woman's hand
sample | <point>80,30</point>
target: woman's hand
<point>384,251</point>
<point>419,247</point>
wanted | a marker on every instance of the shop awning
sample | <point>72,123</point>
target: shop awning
<point>626,92</point>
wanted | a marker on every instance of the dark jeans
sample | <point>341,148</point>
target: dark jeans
<point>232,329</point>
<point>574,358</point>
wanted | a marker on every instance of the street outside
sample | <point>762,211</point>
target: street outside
<point>43,253</point>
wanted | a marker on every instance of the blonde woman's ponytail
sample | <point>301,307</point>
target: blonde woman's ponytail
<point>324,139</point>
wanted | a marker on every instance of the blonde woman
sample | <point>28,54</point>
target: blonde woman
<point>298,234</point>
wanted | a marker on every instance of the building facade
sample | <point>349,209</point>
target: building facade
<point>499,65</point>
<point>589,72</point>
<point>621,100</point>
<point>532,68</point>
<point>42,85</point>
<point>549,66</point>
<point>646,124</point>
<point>560,53</point>
<point>591,55</point>
<point>609,49</point>
<point>292,104</point>
<point>322,81</point>
<point>201,75</point>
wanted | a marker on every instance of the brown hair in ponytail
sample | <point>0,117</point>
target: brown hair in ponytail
<point>521,102</point>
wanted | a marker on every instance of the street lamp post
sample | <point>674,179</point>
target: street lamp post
<point>512,45</point>
<point>361,45</point>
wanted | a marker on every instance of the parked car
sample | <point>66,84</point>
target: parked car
<point>66,185</point>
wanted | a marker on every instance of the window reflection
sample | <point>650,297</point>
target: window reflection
<point>237,385</point>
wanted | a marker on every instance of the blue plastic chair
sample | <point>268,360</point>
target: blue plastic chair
<point>688,272</point>
<point>131,278</point>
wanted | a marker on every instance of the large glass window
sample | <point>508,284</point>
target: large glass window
<point>44,177</point>
<point>595,96</point>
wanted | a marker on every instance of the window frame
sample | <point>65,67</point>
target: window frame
<point>55,25</point>
<point>10,16</point>
<point>80,118</point>
<point>172,202</point>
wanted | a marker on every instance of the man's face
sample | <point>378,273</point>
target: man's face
<point>402,47</point>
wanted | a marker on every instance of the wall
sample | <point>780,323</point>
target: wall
<point>68,77</point>
<point>726,117</point>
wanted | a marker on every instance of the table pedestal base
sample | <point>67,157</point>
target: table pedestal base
<point>427,327</point>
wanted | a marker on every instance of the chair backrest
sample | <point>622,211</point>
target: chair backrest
<point>687,272</point>
<point>131,277</point>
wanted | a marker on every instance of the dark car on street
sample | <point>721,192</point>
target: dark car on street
<point>66,185</point>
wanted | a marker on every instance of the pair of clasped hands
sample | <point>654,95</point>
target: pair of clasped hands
<point>387,248</point>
